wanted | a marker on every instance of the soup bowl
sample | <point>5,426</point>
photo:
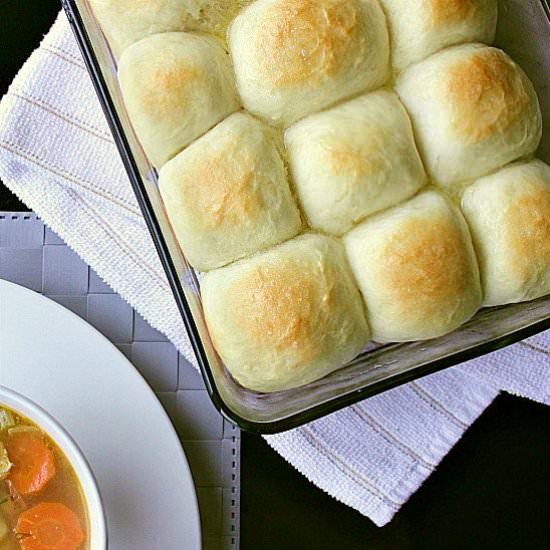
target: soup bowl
<point>96,517</point>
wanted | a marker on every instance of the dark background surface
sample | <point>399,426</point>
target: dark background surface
<point>491,492</point>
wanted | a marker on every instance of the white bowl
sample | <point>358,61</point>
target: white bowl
<point>32,411</point>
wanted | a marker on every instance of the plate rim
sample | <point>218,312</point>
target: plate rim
<point>7,286</point>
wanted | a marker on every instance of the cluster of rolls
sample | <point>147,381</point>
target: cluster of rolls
<point>344,170</point>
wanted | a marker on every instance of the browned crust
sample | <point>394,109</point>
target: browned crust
<point>488,94</point>
<point>280,305</point>
<point>425,265</point>
<point>449,12</point>
<point>308,40</point>
<point>527,218</point>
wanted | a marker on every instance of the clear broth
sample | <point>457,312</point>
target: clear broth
<point>63,488</point>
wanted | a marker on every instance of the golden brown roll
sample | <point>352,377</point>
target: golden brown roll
<point>473,110</point>
<point>353,160</point>
<point>127,21</point>
<point>423,27</point>
<point>227,195</point>
<point>175,87</point>
<point>285,317</point>
<point>294,57</point>
<point>509,216</point>
<point>416,269</point>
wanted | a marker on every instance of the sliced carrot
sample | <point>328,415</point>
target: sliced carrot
<point>33,463</point>
<point>49,526</point>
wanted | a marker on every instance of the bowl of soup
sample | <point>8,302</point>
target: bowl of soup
<point>49,498</point>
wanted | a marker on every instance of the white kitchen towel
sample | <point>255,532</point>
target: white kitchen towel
<point>57,155</point>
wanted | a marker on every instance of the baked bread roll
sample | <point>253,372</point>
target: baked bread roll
<point>354,159</point>
<point>175,87</point>
<point>127,21</point>
<point>423,27</point>
<point>294,57</point>
<point>227,194</point>
<point>509,216</point>
<point>285,317</point>
<point>473,110</point>
<point>416,269</point>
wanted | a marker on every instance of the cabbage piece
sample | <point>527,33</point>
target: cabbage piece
<point>5,464</point>
<point>7,419</point>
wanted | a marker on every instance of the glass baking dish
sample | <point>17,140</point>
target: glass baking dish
<point>524,32</point>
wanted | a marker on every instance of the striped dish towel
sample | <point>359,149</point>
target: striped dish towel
<point>57,155</point>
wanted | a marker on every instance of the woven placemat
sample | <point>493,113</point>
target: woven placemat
<point>34,257</point>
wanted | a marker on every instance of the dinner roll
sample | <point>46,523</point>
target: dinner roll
<point>127,21</point>
<point>420,28</point>
<point>473,110</point>
<point>287,316</point>
<point>227,195</point>
<point>509,217</point>
<point>175,86</point>
<point>294,57</point>
<point>353,160</point>
<point>416,269</point>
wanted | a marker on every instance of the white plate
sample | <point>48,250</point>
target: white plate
<point>59,361</point>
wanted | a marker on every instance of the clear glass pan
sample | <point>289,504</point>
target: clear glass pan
<point>524,32</point>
